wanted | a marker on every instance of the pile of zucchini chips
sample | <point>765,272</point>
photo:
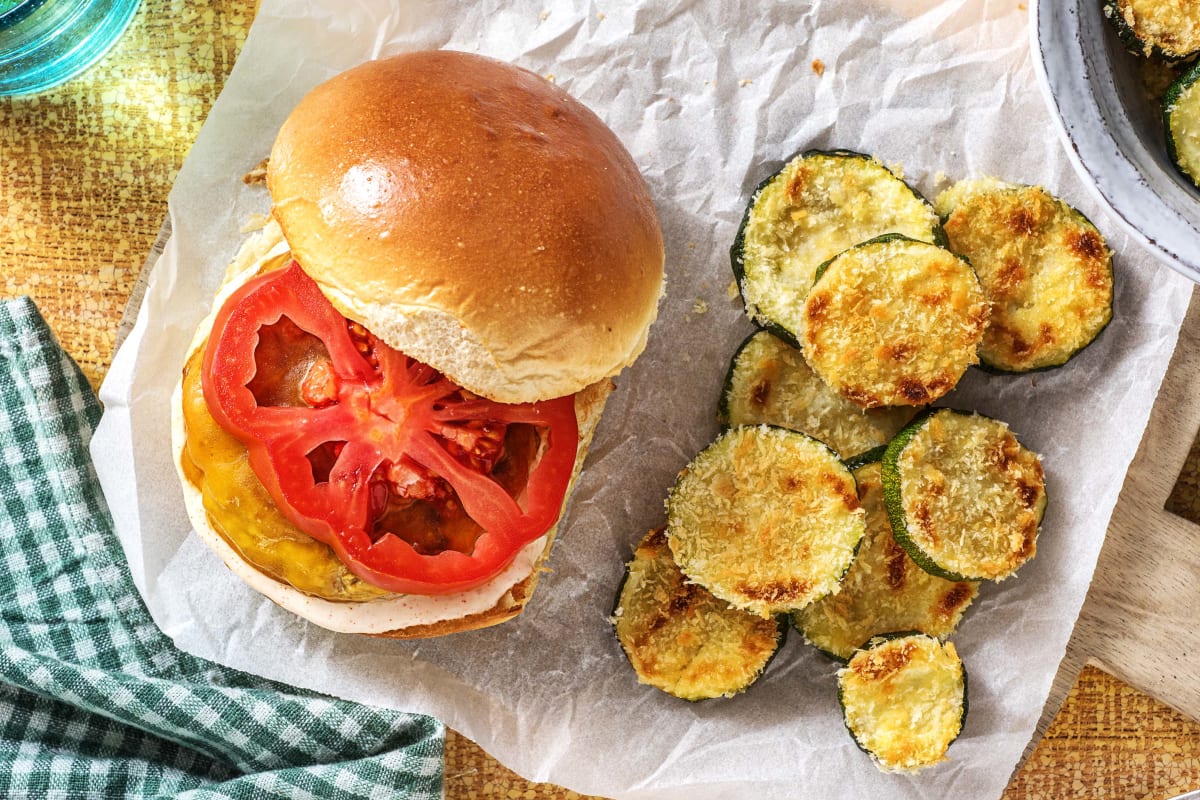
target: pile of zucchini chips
<point>1170,33</point>
<point>836,499</point>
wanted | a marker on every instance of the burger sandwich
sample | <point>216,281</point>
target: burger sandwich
<point>380,421</point>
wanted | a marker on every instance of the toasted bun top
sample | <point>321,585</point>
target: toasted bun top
<point>474,216</point>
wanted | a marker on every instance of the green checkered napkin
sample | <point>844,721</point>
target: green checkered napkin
<point>94,700</point>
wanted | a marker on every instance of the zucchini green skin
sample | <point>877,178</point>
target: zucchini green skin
<point>862,459</point>
<point>895,508</point>
<point>962,722</point>
<point>894,502</point>
<point>723,414</point>
<point>782,623</point>
<point>1134,43</point>
<point>737,250</point>
<point>1169,102</point>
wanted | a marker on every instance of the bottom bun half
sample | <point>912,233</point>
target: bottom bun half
<point>388,615</point>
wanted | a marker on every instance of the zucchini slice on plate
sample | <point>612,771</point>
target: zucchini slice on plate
<point>1167,28</point>
<point>1045,268</point>
<point>884,590</point>
<point>893,321</point>
<point>965,498</point>
<point>813,208</point>
<point>1181,119</point>
<point>770,383</point>
<point>681,639</point>
<point>904,700</point>
<point>765,518</point>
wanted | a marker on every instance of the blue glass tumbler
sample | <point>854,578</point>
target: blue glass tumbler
<point>45,42</point>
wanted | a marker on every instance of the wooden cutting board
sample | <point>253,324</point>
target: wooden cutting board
<point>1142,613</point>
<point>1099,747</point>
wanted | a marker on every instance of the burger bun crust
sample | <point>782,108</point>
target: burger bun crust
<point>475,217</point>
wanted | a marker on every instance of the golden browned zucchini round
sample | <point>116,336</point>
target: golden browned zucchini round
<point>893,322</point>
<point>681,639</point>
<point>1181,120</point>
<point>814,207</point>
<point>904,700</point>
<point>765,518</point>
<point>1167,28</point>
<point>1044,267</point>
<point>965,498</point>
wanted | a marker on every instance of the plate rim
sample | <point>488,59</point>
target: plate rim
<point>1190,268</point>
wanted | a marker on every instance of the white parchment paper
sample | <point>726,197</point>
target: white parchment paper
<point>709,97</point>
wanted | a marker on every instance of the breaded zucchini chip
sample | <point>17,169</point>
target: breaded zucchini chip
<point>1044,267</point>
<point>816,206</point>
<point>893,322</point>
<point>681,639</point>
<point>965,498</point>
<point>765,518</point>
<point>904,700</point>
<point>1167,28</point>
<point>769,382</point>
<point>884,590</point>
<point>1181,120</point>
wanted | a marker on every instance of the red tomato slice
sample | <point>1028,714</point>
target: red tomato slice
<point>349,435</point>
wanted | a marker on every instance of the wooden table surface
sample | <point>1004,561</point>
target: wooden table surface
<point>84,174</point>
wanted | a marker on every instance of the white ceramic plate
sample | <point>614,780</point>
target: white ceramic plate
<point>1112,131</point>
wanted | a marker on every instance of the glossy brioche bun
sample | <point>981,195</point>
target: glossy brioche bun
<point>474,216</point>
<point>392,615</point>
